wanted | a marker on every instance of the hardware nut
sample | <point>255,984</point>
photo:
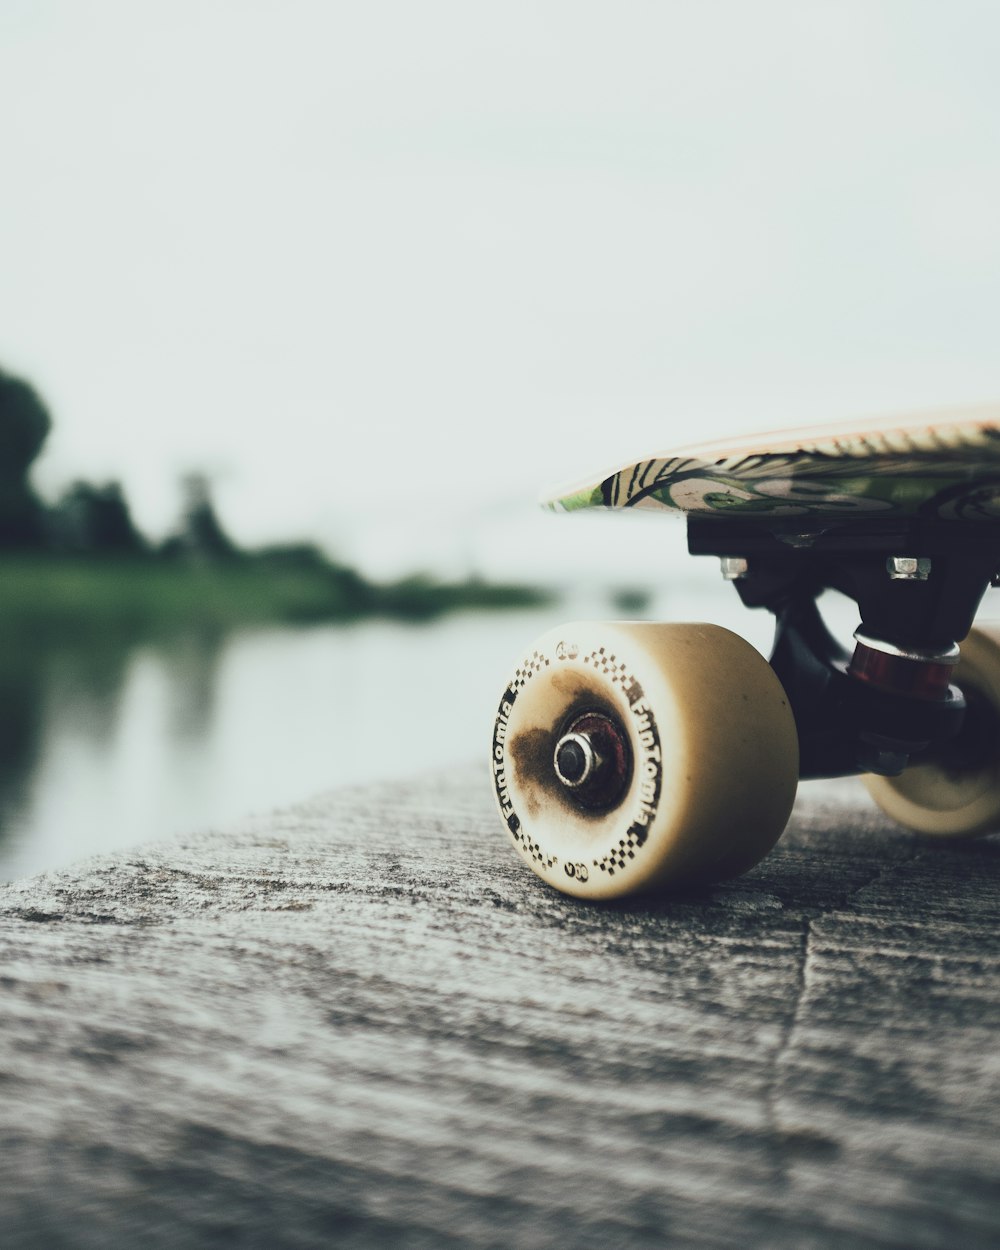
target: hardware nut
<point>734,568</point>
<point>908,568</point>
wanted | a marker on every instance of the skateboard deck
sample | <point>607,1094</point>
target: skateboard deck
<point>944,465</point>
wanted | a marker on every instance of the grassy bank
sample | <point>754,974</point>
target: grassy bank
<point>47,597</point>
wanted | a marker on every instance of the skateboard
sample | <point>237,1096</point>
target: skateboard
<point>634,756</point>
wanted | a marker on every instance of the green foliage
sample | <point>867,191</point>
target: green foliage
<point>632,600</point>
<point>24,426</point>
<point>95,520</point>
<point>421,598</point>
<point>92,573</point>
<point>201,536</point>
<point>57,599</point>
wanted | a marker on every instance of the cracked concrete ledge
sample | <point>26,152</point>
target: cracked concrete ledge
<point>361,1022</point>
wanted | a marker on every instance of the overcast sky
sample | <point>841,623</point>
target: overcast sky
<point>389,268</point>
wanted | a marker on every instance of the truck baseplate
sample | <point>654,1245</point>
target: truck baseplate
<point>917,583</point>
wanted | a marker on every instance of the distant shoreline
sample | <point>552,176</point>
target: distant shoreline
<point>50,598</point>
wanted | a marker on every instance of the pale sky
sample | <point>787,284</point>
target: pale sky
<point>388,269</point>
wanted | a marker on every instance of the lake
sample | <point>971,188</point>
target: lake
<point>102,748</point>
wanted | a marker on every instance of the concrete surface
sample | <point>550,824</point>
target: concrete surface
<point>362,1023</point>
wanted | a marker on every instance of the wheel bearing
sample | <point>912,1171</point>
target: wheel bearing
<point>592,760</point>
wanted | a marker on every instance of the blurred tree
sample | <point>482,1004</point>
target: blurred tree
<point>201,536</point>
<point>95,520</point>
<point>24,426</point>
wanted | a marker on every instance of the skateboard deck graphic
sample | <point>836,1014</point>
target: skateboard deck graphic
<point>944,465</point>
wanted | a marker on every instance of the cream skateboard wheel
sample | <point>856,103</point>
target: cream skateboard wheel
<point>957,793</point>
<point>635,756</point>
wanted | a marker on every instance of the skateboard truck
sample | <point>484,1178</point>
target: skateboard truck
<point>890,701</point>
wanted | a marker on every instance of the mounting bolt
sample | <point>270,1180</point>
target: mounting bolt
<point>734,567</point>
<point>908,568</point>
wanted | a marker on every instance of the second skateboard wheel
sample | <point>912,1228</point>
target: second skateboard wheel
<point>956,793</point>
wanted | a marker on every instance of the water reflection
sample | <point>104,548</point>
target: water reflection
<point>21,688</point>
<point>105,745</point>
<point>80,728</point>
<point>193,664</point>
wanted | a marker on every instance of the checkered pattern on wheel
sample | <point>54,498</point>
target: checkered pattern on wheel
<point>533,849</point>
<point>532,665</point>
<point>607,664</point>
<point>619,856</point>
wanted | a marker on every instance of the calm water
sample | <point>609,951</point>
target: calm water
<point>106,748</point>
